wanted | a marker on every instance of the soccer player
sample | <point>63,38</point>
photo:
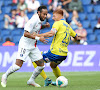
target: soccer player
<point>62,32</point>
<point>27,47</point>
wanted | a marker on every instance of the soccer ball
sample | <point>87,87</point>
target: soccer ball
<point>61,81</point>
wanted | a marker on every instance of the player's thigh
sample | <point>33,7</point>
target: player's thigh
<point>35,55</point>
<point>22,54</point>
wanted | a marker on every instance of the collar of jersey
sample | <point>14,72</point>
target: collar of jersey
<point>62,19</point>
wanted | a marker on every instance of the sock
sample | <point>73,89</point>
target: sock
<point>56,71</point>
<point>12,69</point>
<point>42,73</point>
<point>36,72</point>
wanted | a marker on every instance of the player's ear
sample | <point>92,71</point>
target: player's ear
<point>39,13</point>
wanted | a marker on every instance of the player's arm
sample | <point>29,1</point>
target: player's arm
<point>53,31</point>
<point>28,28</point>
<point>48,34</point>
<point>29,35</point>
<point>74,35</point>
<point>45,25</point>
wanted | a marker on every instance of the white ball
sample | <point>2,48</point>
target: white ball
<point>61,81</point>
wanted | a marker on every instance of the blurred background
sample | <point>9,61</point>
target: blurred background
<point>82,15</point>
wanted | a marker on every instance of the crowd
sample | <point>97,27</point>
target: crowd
<point>19,15</point>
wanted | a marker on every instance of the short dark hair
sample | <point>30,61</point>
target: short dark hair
<point>8,39</point>
<point>41,7</point>
<point>59,11</point>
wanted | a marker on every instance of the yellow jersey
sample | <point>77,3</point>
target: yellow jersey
<point>61,38</point>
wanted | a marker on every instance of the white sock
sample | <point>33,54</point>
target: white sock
<point>36,72</point>
<point>12,69</point>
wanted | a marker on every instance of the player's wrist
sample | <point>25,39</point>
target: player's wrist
<point>37,38</point>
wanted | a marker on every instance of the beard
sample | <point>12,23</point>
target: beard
<point>41,18</point>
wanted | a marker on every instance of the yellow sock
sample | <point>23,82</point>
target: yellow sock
<point>56,71</point>
<point>42,73</point>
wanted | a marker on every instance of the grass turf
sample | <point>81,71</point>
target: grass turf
<point>77,81</point>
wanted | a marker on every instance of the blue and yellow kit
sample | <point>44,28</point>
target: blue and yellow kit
<point>61,39</point>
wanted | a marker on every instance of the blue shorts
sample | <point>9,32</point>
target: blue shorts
<point>49,57</point>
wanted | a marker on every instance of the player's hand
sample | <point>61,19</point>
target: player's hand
<point>47,24</point>
<point>42,39</point>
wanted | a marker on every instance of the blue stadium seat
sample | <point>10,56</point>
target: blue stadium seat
<point>98,15</point>
<point>40,2</point>
<point>15,32</point>
<point>45,2</point>
<point>16,39</point>
<point>97,32</point>
<point>97,9</point>
<point>22,32</point>
<point>30,15</point>
<point>5,32</point>
<point>1,2</point>
<point>1,24</point>
<point>98,38</point>
<point>93,23</point>
<point>1,17</point>
<point>86,24</point>
<point>70,16</point>
<point>45,30</point>
<point>82,16</point>
<point>89,8</point>
<point>0,39</point>
<point>7,9</point>
<point>7,2</point>
<point>50,19</point>
<point>86,2</point>
<point>91,37</point>
<point>1,43</point>
<point>14,7</point>
<point>92,16</point>
<point>89,31</point>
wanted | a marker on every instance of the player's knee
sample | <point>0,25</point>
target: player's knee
<point>41,67</point>
<point>19,63</point>
<point>52,65</point>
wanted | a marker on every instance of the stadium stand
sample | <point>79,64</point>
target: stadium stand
<point>88,18</point>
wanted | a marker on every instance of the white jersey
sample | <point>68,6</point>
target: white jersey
<point>33,25</point>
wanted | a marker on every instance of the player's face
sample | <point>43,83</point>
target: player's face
<point>56,17</point>
<point>43,14</point>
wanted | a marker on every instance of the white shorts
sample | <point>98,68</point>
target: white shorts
<point>34,54</point>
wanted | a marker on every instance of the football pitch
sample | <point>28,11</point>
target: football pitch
<point>77,81</point>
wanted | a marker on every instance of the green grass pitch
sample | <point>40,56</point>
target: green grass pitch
<point>77,81</point>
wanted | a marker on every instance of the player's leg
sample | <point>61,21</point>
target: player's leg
<point>36,72</point>
<point>55,69</point>
<point>11,70</point>
<point>21,55</point>
<point>42,73</point>
<point>37,58</point>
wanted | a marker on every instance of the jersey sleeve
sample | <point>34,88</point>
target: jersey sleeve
<point>56,25</point>
<point>73,33</point>
<point>30,24</point>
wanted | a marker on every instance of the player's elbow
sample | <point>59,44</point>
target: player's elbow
<point>26,34</point>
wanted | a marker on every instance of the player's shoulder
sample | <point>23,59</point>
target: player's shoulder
<point>57,22</point>
<point>35,16</point>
